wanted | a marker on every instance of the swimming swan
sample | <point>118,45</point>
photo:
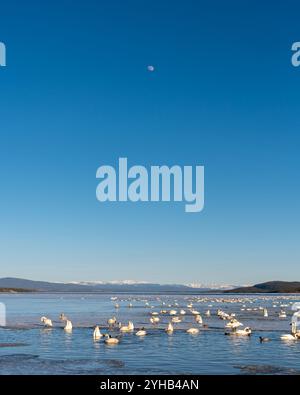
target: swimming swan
<point>288,337</point>
<point>141,332</point>
<point>198,319</point>
<point>195,312</point>
<point>233,324</point>
<point>176,319</point>
<point>243,332</point>
<point>112,321</point>
<point>97,334</point>
<point>170,328</point>
<point>46,321</point>
<point>111,340</point>
<point>222,315</point>
<point>128,328</point>
<point>154,320</point>
<point>282,314</point>
<point>193,331</point>
<point>69,326</point>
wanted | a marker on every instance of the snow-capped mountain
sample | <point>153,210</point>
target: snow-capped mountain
<point>113,282</point>
<point>211,286</point>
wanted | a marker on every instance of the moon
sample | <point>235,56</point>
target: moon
<point>150,68</point>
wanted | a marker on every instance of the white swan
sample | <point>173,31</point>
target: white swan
<point>195,312</point>
<point>222,315</point>
<point>198,319</point>
<point>46,321</point>
<point>176,319</point>
<point>97,334</point>
<point>141,332</point>
<point>182,312</point>
<point>243,332</point>
<point>69,326</point>
<point>154,320</point>
<point>173,312</point>
<point>170,328</point>
<point>111,340</point>
<point>282,314</point>
<point>112,321</point>
<point>233,324</point>
<point>193,331</point>
<point>127,328</point>
<point>288,337</point>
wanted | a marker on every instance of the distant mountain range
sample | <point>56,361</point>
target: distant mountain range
<point>97,286</point>
<point>10,284</point>
<point>269,287</point>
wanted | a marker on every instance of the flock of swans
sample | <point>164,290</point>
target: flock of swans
<point>175,314</point>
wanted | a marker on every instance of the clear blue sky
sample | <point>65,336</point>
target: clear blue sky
<point>76,94</point>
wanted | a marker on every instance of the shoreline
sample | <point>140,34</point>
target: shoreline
<point>222,293</point>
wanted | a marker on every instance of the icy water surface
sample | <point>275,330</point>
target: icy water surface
<point>26,347</point>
